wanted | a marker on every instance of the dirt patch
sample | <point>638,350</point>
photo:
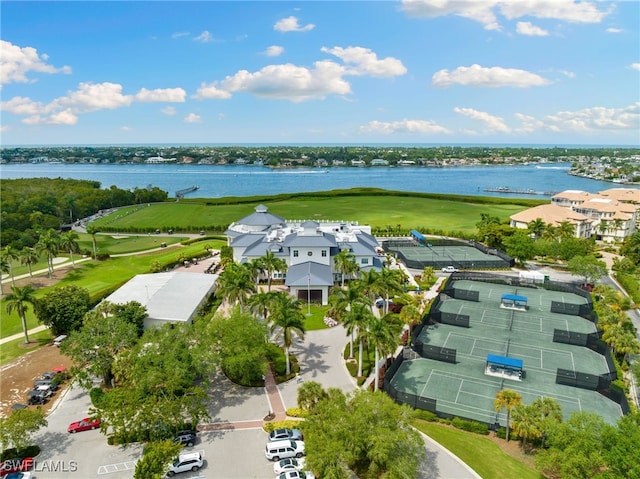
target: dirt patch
<point>16,378</point>
<point>514,449</point>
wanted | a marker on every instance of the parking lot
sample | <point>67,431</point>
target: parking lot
<point>228,453</point>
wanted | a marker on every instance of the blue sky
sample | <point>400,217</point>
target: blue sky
<point>413,71</point>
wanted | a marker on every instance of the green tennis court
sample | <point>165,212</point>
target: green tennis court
<point>464,388</point>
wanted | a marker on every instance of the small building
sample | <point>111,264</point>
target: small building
<point>173,297</point>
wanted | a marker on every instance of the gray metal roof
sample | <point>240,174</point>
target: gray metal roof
<point>261,217</point>
<point>301,241</point>
<point>247,239</point>
<point>258,250</point>
<point>359,247</point>
<point>173,296</point>
<point>309,274</point>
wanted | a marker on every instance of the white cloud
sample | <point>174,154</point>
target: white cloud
<point>290,24</point>
<point>126,128</point>
<point>527,28</point>
<point>567,10</point>
<point>173,95</point>
<point>180,34</point>
<point>568,74</point>
<point>494,124</point>
<point>635,66</point>
<point>204,37</point>
<point>478,10</point>
<point>596,118</point>
<point>16,62</point>
<point>64,117</point>
<point>169,110</point>
<point>529,123</point>
<point>274,51</point>
<point>192,118</point>
<point>614,30</point>
<point>211,92</point>
<point>284,82</point>
<point>485,11</point>
<point>363,61</point>
<point>88,97</point>
<point>94,96</point>
<point>403,126</point>
<point>477,75</point>
<point>19,105</point>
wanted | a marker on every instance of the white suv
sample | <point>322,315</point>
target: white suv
<point>191,461</point>
<point>450,269</point>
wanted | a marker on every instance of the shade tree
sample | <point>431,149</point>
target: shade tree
<point>63,308</point>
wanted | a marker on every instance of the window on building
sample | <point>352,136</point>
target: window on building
<point>324,253</point>
<point>295,253</point>
<point>364,261</point>
<point>309,253</point>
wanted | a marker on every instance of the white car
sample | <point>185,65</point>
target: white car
<point>296,475</point>
<point>191,461</point>
<point>290,464</point>
<point>450,269</point>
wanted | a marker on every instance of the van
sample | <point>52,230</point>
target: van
<point>276,450</point>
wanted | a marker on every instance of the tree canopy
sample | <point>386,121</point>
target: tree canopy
<point>63,308</point>
<point>364,432</point>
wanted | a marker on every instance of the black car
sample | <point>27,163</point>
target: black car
<point>188,438</point>
<point>36,398</point>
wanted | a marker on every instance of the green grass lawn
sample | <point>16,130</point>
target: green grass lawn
<point>380,211</point>
<point>103,277</point>
<point>13,349</point>
<point>316,319</point>
<point>121,243</point>
<point>478,452</point>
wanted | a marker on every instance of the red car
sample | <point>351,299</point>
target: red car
<point>84,425</point>
<point>16,465</point>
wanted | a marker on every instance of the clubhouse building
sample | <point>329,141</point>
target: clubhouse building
<point>308,248</point>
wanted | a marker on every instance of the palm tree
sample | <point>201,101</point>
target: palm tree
<point>271,263</point>
<point>344,262</point>
<point>29,257</point>
<point>507,399</point>
<point>355,322</point>
<point>69,242</point>
<point>255,268</point>
<point>550,232</point>
<point>260,303</point>
<point>389,284</point>
<point>4,268</point>
<point>235,283</point>
<point>18,300</point>
<point>525,424</point>
<point>49,243</point>
<point>11,255</point>
<point>566,230</point>
<point>536,227</point>
<point>342,301</point>
<point>548,412</point>
<point>603,227</point>
<point>617,226</point>
<point>381,333</point>
<point>93,230</point>
<point>369,284</point>
<point>288,320</point>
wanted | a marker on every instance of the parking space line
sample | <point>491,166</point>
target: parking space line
<point>117,467</point>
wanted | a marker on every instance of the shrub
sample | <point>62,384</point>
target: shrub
<point>97,396</point>
<point>426,415</point>
<point>471,426</point>
<point>288,423</point>
<point>297,412</point>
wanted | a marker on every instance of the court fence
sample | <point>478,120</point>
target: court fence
<point>442,261</point>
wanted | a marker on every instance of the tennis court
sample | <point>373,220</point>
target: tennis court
<point>443,253</point>
<point>461,387</point>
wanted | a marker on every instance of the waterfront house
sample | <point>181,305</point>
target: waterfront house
<point>554,215</point>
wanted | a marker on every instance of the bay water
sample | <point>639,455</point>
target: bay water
<point>216,181</point>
